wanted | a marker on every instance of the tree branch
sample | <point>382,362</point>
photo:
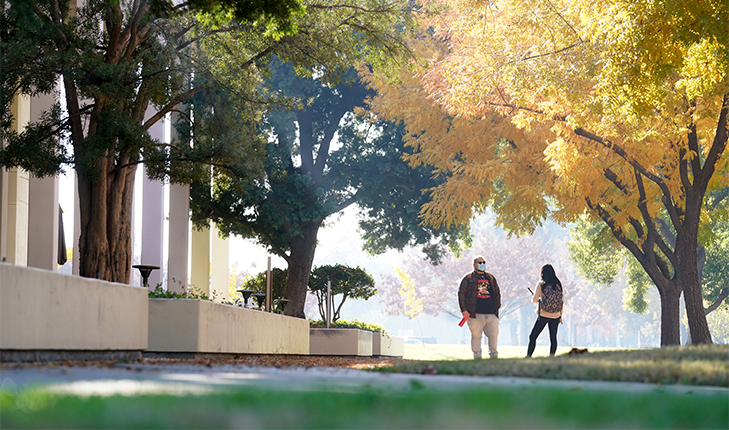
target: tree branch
<point>619,151</point>
<point>258,56</point>
<point>133,32</point>
<point>347,6</point>
<point>693,144</point>
<point>717,147</point>
<point>547,54</point>
<point>348,202</point>
<point>613,177</point>
<point>195,39</point>
<point>269,241</point>
<point>171,105</point>
<point>627,243</point>
<point>722,295</point>
<point>652,231</point>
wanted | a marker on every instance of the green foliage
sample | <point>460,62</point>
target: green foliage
<point>345,281</point>
<point>593,249</point>
<point>715,276</point>
<point>190,293</point>
<point>276,16</point>
<point>719,325</point>
<point>258,282</point>
<point>368,168</point>
<point>124,66</point>
<point>26,46</point>
<point>373,160</point>
<point>348,324</point>
<point>47,41</point>
<point>638,283</point>
<point>306,176</point>
<point>599,260</point>
<point>46,157</point>
<point>224,133</point>
<point>277,206</point>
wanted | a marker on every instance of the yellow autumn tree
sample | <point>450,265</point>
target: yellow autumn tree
<point>552,109</point>
<point>412,303</point>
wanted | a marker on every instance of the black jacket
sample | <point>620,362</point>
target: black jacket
<point>468,293</point>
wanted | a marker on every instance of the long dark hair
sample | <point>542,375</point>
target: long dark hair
<point>549,277</point>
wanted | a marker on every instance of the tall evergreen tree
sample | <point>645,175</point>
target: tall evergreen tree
<point>123,65</point>
<point>321,158</point>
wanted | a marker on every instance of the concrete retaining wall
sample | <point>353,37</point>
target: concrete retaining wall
<point>201,326</point>
<point>46,311</point>
<point>384,345</point>
<point>340,341</point>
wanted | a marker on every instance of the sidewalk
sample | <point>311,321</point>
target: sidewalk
<point>157,376</point>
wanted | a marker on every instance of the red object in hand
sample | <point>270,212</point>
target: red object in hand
<point>463,321</point>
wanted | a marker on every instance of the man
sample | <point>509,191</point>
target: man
<point>479,298</point>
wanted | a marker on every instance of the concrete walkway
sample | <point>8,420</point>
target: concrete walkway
<point>137,378</point>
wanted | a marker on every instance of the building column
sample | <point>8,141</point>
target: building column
<point>179,228</point>
<point>3,212</point>
<point>76,264</point>
<point>16,230</point>
<point>153,213</point>
<point>43,210</point>
<point>209,263</point>
<point>17,226</point>
<point>43,213</point>
<point>219,271</point>
<point>200,259</point>
<point>153,205</point>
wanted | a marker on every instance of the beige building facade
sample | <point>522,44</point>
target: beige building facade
<point>31,234</point>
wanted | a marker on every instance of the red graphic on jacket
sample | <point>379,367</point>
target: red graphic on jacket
<point>484,292</point>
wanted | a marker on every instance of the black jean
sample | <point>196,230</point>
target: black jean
<point>537,330</point>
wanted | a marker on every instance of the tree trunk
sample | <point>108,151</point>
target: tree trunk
<point>670,326</point>
<point>300,261</point>
<point>687,249</point>
<point>687,275</point>
<point>105,243</point>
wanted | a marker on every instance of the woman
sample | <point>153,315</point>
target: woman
<point>549,312</point>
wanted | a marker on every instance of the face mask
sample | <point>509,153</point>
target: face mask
<point>482,267</point>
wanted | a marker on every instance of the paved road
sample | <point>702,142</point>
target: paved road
<point>134,378</point>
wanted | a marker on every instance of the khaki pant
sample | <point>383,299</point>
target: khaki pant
<point>487,324</point>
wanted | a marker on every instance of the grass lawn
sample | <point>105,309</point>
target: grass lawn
<point>440,351</point>
<point>696,365</point>
<point>418,406</point>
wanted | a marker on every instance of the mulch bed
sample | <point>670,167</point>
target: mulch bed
<point>278,361</point>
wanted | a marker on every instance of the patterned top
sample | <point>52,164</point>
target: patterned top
<point>538,294</point>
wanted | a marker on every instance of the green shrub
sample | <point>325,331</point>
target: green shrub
<point>349,324</point>
<point>191,293</point>
<point>346,282</point>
